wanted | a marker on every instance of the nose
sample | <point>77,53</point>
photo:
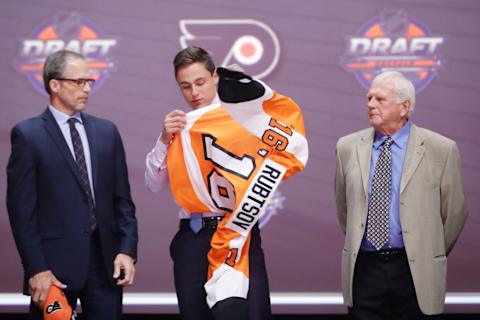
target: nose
<point>87,87</point>
<point>194,90</point>
<point>371,103</point>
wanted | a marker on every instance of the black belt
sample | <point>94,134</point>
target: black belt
<point>207,222</point>
<point>385,254</point>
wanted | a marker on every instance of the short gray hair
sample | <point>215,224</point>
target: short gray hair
<point>54,66</point>
<point>403,88</point>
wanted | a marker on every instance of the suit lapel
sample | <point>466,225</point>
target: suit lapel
<point>364,155</point>
<point>415,152</point>
<point>90,130</point>
<point>56,134</point>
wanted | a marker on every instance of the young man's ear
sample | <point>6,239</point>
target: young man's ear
<point>215,76</point>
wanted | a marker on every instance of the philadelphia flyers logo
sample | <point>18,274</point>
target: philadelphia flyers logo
<point>250,43</point>
<point>55,306</point>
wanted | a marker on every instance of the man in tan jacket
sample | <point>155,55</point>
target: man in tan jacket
<point>400,202</point>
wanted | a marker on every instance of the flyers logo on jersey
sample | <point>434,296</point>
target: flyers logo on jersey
<point>65,31</point>
<point>249,43</point>
<point>56,306</point>
<point>393,41</point>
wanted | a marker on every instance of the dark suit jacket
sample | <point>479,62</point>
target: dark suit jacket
<point>48,208</point>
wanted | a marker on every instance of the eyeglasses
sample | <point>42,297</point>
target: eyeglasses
<point>79,82</point>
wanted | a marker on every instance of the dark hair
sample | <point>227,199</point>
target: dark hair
<point>191,55</point>
<point>54,66</point>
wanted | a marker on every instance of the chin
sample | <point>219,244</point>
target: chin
<point>195,107</point>
<point>81,107</point>
<point>374,119</point>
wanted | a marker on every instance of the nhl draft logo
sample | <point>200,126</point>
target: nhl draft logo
<point>393,41</point>
<point>66,31</point>
<point>248,43</point>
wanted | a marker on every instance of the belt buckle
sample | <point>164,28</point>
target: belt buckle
<point>384,255</point>
<point>211,222</point>
<point>389,255</point>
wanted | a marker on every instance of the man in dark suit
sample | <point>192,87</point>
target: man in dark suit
<point>68,198</point>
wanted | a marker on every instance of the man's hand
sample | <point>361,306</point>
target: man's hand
<point>174,122</point>
<point>123,263</point>
<point>39,284</point>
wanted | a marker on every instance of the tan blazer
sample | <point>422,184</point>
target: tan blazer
<point>433,208</point>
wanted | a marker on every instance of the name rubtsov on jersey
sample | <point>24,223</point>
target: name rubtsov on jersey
<point>266,181</point>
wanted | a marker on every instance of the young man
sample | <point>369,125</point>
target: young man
<point>68,198</point>
<point>197,80</point>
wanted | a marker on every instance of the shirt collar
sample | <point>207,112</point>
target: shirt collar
<point>61,117</point>
<point>216,100</point>
<point>400,138</point>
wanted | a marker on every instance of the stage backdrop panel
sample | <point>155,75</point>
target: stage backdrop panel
<point>321,53</point>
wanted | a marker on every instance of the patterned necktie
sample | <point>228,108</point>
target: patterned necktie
<point>379,206</point>
<point>82,168</point>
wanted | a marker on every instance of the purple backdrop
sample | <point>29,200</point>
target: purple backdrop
<point>302,241</point>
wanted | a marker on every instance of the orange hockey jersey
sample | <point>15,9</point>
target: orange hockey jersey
<point>230,159</point>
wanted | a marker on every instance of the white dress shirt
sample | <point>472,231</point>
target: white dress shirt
<point>62,121</point>
<point>156,173</point>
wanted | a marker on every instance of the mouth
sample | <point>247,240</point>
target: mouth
<point>198,102</point>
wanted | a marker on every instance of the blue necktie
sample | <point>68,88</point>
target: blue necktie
<point>196,222</point>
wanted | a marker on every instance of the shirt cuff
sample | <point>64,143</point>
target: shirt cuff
<point>158,155</point>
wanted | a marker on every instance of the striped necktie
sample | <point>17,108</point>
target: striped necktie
<point>82,168</point>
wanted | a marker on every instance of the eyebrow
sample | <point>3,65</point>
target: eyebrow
<point>195,80</point>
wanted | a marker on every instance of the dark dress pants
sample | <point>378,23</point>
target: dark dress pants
<point>99,298</point>
<point>383,289</point>
<point>189,253</point>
